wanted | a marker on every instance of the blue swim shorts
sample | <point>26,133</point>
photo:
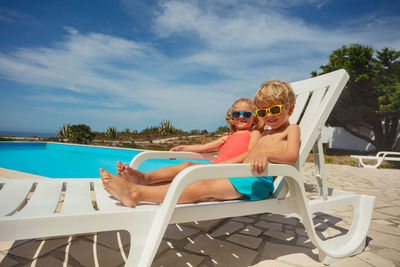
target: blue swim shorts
<point>254,188</point>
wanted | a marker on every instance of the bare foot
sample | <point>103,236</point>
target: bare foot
<point>120,167</point>
<point>129,174</point>
<point>121,189</point>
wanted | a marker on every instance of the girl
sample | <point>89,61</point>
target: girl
<point>233,148</point>
<point>134,186</point>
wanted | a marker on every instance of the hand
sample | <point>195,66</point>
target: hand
<point>178,148</point>
<point>258,162</point>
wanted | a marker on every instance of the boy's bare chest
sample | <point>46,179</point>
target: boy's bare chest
<point>273,141</point>
<point>275,137</point>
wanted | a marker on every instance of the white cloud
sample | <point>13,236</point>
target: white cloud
<point>112,76</point>
<point>245,27</point>
<point>74,100</point>
<point>136,83</point>
<point>239,39</point>
<point>8,15</point>
<point>293,3</point>
<point>93,63</point>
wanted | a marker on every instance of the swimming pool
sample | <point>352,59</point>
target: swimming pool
<point>69,161</point>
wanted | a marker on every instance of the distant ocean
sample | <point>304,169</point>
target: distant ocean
<point>27,134</point>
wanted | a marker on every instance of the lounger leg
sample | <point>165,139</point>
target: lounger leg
<point>359,163</point>
<point>376,165</point>
<point>136,252</point>
<point>320,169</point>
<point>326,259</point>
<point>342,246</point>
<point>351,243</point>
<point>146,229</point>
<point>143,249</point>
<point>145,241</point>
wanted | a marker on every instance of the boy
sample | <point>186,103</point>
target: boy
<point>280,143</point>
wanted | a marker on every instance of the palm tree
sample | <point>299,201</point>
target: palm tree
<point>65,131</point>
<point>111,132</point>
<point>166,128</point>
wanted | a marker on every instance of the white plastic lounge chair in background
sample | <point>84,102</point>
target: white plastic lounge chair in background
<point>379,158</point>
<point>147,222</point>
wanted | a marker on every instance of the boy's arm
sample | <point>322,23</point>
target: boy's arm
<point>254,137</point>
<point>200,148</point>
<point>260,157</point>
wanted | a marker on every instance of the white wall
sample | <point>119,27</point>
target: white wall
<point>337,137</point>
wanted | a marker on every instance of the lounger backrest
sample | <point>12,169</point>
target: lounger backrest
<point>315,99</point>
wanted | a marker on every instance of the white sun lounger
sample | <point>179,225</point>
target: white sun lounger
<point>379,158</point>
<point>147,223</point>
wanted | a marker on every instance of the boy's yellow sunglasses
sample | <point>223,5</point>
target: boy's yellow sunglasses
<point>274,110</point>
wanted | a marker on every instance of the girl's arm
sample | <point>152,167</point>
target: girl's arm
<point>260,157</point>
<point>200,148</point>
<point>254,137</point>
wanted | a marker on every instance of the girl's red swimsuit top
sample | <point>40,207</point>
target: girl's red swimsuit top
<point>234,145</point>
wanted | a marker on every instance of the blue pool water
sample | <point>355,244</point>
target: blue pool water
<point>69,161</point>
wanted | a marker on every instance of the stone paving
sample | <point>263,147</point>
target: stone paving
<point>259,240</point>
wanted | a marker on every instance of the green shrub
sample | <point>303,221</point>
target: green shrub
<point>390,165</point>
<point>351,162</point>
<point>81,133</point>
<point>329,160</point>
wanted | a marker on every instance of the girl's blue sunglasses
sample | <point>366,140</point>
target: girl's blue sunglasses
<point>245,114</point>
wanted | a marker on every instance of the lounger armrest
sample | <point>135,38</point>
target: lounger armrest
<point>140,158</point>
<point>381,154</point>
<point>380,157</point>
<point>387,153</point>
<point>206,172</point>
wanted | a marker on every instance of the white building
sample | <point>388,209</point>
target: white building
<point>339,138</point>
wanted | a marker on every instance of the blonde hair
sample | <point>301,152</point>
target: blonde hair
<point>257,124</point>
<point>274,92</point>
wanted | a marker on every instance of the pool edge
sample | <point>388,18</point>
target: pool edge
<point>7,173</point>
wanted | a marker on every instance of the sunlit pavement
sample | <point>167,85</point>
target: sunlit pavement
<point>259,240</point>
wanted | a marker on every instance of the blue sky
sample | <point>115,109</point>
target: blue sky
<point>131,64</point>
